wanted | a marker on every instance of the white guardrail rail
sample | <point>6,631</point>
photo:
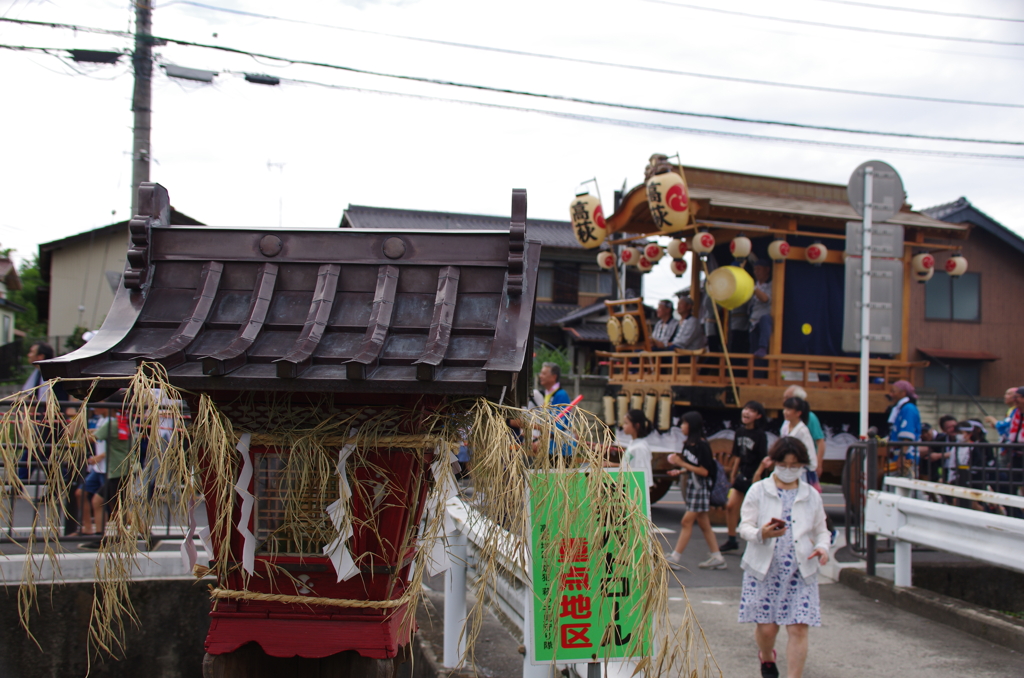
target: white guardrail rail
<point>988,537</point>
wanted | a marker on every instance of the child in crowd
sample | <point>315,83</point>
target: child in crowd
<point>637,455</point>
<point>698,461</point>
<point>749,447</point>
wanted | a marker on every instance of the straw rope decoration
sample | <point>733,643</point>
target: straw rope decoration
<point>202,456</point>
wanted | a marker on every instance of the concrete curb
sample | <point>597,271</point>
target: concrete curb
<point>79,567</point>
<point>978,621</point>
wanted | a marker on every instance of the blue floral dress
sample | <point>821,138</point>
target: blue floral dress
<point>784,596</point>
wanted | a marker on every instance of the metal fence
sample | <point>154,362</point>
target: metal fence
<point>989,467</point>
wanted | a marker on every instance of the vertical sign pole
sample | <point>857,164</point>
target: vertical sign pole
<point>865,300</point>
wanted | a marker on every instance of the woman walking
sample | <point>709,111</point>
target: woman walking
<point>795,411</point>
<point>783,523</point>
<point>637,455</point>
<point>749,448</point>
<point>697,460</point>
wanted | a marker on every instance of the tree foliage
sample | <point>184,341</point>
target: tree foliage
<point>29,321</point>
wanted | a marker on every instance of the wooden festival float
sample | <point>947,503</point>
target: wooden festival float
<point>802,228</point>
<point>306,343</point>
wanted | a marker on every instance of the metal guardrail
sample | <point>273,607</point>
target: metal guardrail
<point>988,537</point>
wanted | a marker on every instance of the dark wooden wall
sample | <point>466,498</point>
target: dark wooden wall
<point>1001,329</point>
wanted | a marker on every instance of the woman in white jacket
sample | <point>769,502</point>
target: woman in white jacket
<point>783,523</point>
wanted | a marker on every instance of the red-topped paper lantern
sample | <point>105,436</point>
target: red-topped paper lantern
<point>676,248</point>
<point>644,264</point>
<point>629,256</point>
<point>778,250</point>
<point>606,259</point>
<point>678,267</point>
<point>702,242</point>
<point>669,200</point>
<point>923,276</point>
<point>816,253</point>
<point>740,247</point>
<point>588,224</point>
<point>654,252</point>
<point>956,265</point>
<point>923,262</point>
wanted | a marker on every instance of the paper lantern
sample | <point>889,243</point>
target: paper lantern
<point>669,201</point>
<point>650,406</point>
<point>614,330</point>
<point>923,262</point>
<point>629,256</point>
<point>609,410</point>
<point>606,259</point>
<point>622,405</point>
<point>665,411</point>
<point>703,242</point>
<point>676,248</point>
<point>816,253</point>
<point>740,247</point>
<point>588,223</point>
<point>923,276</point>
<point>730,286</point>
<point>636,400</point>
<point>778,250</point>
<point>956,265</point>
<point>678,267</point>
<point>654,252</point>
<point>644,264</point>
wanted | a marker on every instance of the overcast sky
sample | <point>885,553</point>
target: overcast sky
<point>236,153</point>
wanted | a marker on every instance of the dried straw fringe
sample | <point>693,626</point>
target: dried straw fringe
<point>499,474</point>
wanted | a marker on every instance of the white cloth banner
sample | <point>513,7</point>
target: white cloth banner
<point>242,489</point>
<point>337,550</point>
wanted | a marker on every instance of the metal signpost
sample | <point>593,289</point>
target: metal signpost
<point>876,193</point>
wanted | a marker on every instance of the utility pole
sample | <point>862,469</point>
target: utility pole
<point>142,97</point>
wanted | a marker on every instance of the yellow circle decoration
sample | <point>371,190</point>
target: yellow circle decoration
<point>806,328</point>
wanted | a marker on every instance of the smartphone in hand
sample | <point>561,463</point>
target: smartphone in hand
<point>777,523</point>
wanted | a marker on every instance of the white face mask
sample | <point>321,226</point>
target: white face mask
<point>788,475</point>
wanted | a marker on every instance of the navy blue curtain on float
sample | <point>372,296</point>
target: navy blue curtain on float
<point>813,309</point>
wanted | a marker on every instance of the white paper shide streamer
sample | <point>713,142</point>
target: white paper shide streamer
<point>439,559</point>
<point>337,550</point>
<point>242,489</point>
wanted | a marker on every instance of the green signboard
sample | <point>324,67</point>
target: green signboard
<point>587,534</point>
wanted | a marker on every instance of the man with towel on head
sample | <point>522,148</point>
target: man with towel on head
<point>904,422</point>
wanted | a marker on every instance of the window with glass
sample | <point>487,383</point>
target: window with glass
<point>545,284</point>
<point>957,378</point>
<point>953,298</point>
<point>595,282</point>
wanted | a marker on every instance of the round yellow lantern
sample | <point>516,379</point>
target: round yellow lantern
<point>606,259</point>
<point>653,252</point>
<point>644,264</point>
<point>956,265</point>
<point>676,248</point>
<point>703,242</point>
<point>816,254</point>
<point>740,247</point>
<point>778,250</point>
<point>669,200</point>
<point>678,267</point>
<point>730,286</point>
<point>923,262</point>
<point>923,276</point>
<point>629,256</point>
<point>588,224</point>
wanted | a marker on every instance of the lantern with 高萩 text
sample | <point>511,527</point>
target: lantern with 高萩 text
<point>923,262</point>
<point>956,265</point>
<point>702,243</point>
<point>629,256</point>
<point>669,200</point>
<point>740,247</point>
<point>653,252</point>
<point>588,223</point>
<point>676,248</point>
<point>606,259</point>
<point>678,267</point>
<point>816,254</point>
<point>778,250</point>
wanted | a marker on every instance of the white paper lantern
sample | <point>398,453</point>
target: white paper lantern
<point>679,267</point>
<point>923,276</point>
<point>654,252</point>
<point>644,264</point>
<point>702,242</point>
<point>588,224</point>
<point>740,247</point>
<point>629,256</point>
<point>816,253</point>
<point>923,262</point>
<point>778,250</point>
<point>676,248</point>
<point>669,200</point>
<point>956,265</point>
<point>606,259</point>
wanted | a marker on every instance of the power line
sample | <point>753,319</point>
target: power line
<point>70,27</point>
<point>923,11</point>
<point>818,24</point>
<point>592,62</point>
<point>577,100</point>
<point>651,125</point>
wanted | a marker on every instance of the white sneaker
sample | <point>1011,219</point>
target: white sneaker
<point>675,560</point>
<point>715,562</point>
